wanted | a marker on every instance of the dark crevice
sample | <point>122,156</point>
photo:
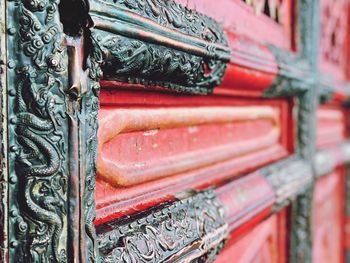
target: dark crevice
<point>88,47</point>
<point>74,15</point>
<point>267,9</point>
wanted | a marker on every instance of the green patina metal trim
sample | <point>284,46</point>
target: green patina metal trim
<point>160,44</point>
<point>301,245</point>
<point>38,132</point>
<point>189,230</point>
<point>88,152</point>
<point>164,18</point>
<point>3,134</point>
<point>298,77</point>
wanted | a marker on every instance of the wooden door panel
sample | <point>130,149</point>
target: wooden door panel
<point>260,245</point>
<point>329,218</point>
<point>331,126</point>
<point>329,196</point>
<point>264,20</point>
<point>206,113</point>
<point>155,145</point>
<point>141,145</point>
<point>334,38</point>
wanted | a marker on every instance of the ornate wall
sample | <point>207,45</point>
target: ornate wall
<point>174,131</point>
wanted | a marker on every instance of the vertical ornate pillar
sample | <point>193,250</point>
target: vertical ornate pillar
<point>3,134</point>
<point>48,141</point>
<point>38,138</point>
<point>301,242</point>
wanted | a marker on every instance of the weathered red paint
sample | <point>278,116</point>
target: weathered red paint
<point>140,145</point>
<point>112,200</point>
<point>263,243</point>
<point>247,21</point>
<point>245,199</point>
<point>347,233</point>
<point>252,64</point>
<point>331,126</point>
<point>334,49</point>
<point>179,120</point>
<point>153,142</point>
<point>328,218</point>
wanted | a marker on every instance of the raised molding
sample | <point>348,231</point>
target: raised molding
<point>145,124</point>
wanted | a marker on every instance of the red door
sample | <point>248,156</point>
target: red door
<point>174,131</point>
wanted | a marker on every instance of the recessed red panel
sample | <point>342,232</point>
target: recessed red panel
<point>331,126</point>
<point>141,145</point>
<point>153,145</point>
<point>263,243</point>
<point>329,218</point>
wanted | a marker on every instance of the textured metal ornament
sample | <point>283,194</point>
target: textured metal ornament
<point>184,51</point>
<point>169,14</point>
<point>190,230</point>
<point>90,102</point>
<point>301,227</point>
<point>3,146</point>
<point>294,77</point>
<point>301,244</point>
<point>38,138</point>
<point>297,77</point>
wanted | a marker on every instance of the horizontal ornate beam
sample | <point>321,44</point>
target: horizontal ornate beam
<point>180,229</point>
<point>288,178</point>
<point>162,44</point>
<point>188,229</point>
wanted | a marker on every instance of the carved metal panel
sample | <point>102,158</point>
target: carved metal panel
<point>184,50</point>
<point>189,230</point>
<point>38,126</point>
<point>50,171</point>
<point>3,145</point>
